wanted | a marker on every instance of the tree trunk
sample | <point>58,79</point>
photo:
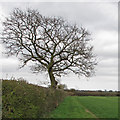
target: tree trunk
<point>52,79</point>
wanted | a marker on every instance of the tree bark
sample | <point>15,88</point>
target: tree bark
<point>52,79</point>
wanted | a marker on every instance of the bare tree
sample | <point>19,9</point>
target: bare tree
<point>51,43</point>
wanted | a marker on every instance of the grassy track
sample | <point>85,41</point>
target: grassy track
<point>87,107</point>
<point>102,107</point>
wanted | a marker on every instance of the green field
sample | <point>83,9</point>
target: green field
<point>87,107</point>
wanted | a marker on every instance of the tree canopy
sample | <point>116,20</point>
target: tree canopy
<point>51,43</point>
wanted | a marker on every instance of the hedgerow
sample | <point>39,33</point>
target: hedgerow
<point>23,100</point>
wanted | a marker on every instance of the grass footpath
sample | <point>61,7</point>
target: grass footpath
<point>87,107</point>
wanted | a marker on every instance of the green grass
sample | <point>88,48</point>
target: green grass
<point>102,107</point>
<point>87,107</point>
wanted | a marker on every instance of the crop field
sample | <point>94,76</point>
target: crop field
<point>87,107</point>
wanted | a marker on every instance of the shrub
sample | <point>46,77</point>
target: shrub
<point>23,100</point>
<point>62,86</point>
<point>91,93</point>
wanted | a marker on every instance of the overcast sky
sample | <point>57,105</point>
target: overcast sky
<point>100,19</point>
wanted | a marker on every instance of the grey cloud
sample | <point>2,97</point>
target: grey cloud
<point>96,82</point>
<point>109,63</point>
<point>107,72</point>
<point>106,44</point>
<point>107,54</point>
<point>99,18</point>
<point>95,15</point>
<point>91,15</point>
<point>8,65</point>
